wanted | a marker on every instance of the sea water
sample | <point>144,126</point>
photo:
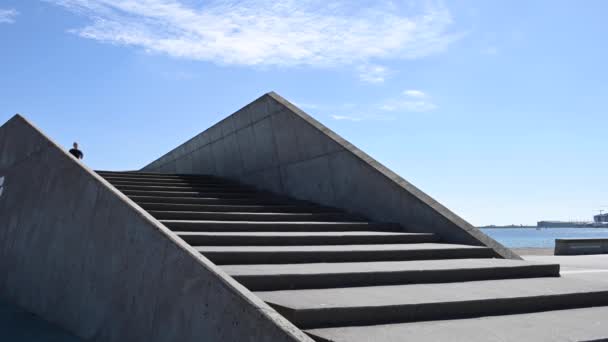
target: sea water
<point>541,238</point>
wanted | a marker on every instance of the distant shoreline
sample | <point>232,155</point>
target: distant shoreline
<point>506,227</point>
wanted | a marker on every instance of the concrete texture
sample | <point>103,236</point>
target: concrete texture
<point>83,256</point>
<point>302,238</point>
<point>378,266</point>
<point>17,325</point>
<point>275,226</point>
<point>205,200</point>
<point>590,324</point>
<point>272,277</point>
<point>575,262</point>
<point>352,289</point>
<point>230,255</point>
<point>275,146</point>
<point>581,246</point>
<point>523,252</point>
<point>232,208</point>
<point>587,267</point>
<point>422,302</point>
<point>268,217</point>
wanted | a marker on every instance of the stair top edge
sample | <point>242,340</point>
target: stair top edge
<point>336,223</point>
<point>416,294</point>
<point>585,324</point>
<point>248,213</point>
<point>341,248</point>
<point>378,266</point>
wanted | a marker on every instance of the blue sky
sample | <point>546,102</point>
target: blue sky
<point>497,109</point>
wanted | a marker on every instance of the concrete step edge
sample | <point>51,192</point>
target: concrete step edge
<point>151,206</point>
<point>284,239</point>
<point>244,257</point>
<point>255,216</point>
<point>296,226</point>
<point>373,315</point>
<point>276,282</point>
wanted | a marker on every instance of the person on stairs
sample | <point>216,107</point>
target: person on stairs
<point>76,152</point>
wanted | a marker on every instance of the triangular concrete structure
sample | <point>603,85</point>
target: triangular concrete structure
<point>273,145</point>
<point>79,253</point>
<point>265,227</point>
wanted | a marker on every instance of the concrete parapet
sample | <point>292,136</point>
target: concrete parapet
<point>80,254</point>
<point>273,145</point>
<point>581,246</point>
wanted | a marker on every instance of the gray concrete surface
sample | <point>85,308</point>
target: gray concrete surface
<point>224,255</point>
<point>318,308</point>
<point>231,207</point>
<point>523,252</point>
<point>574,262</point>
<point>586,267</point>
<point>81,255</point>
<point>438,247</point>
<point>589,324</point>
<point>238,216</point>
<point>275,146</point>
<point>471,293</point>
<point>302,238</point>
<point>17,325</point>
<point>373,267</point>
<point>581,246</point>
<point>274,226</point>
<point>273,277</point>
<point>377,296</point>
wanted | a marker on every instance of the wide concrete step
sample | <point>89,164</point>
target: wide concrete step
<point>271,277</point>
<point>170,181</point>
<point>161,177</point>
<point>177,182</point>
<point>588,324</point>
<point>268,217</point>
<point>145,175</point>
<point>321,308</point>
<point>109,172</point>
<point>195,194</point>
<point>233,255</point>
<point>302,238</point>
<point>214,200</point>
<point>275,226</point>
<point>235,208</point>
<point>185,188</point>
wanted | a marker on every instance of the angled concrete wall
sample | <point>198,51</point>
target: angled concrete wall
<point>80,254</point>
<point>275,146</point>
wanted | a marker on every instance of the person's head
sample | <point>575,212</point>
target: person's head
<point>75,144</point>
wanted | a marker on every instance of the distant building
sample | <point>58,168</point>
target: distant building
<point>602,218</point>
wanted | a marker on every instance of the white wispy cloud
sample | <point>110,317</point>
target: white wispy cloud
<point>372,73</point>
<point>346,117</point>
<point>414,93</point>
<point>412,101</point>
<point>267,32</point>
<point>7,16</point>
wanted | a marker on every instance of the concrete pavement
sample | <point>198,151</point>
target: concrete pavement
<point>587,324</point>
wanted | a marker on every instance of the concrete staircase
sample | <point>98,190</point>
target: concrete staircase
<point>333,273</point>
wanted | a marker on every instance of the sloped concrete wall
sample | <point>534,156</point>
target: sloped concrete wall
<point>80,254</point>
<point>275,146</point>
